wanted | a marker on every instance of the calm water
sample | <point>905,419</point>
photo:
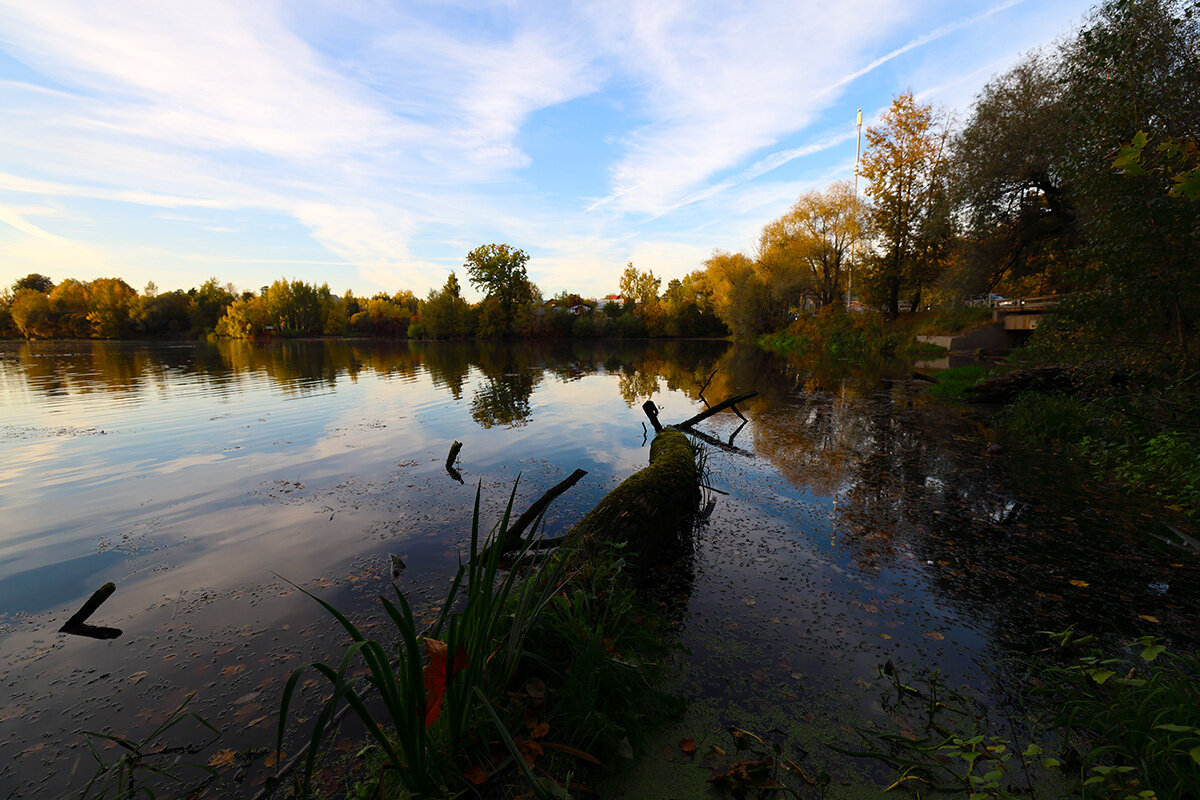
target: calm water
<point>859,522</point>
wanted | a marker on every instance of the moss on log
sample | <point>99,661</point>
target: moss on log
<point>650,507</point>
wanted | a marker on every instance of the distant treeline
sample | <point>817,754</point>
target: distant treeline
<point>108,308</point>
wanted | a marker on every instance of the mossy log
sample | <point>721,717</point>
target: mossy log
<point>649,509</point>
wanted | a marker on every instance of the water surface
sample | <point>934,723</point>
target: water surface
<point>855,522</point>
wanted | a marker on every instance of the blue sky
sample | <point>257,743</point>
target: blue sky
<point>372,144</point>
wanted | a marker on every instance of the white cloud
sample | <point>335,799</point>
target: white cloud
<point>393,133</point>
<point>722,82</point>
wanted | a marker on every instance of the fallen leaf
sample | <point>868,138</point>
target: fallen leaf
<point>687,745</point>
<point>1080,584</point>
<point>232,670</point>
<point>539,730</point>
<point>222,758</point>
<point>934,635</point>
<point>1148,618</point>
<point>137,676</point>
<point>475,775</point>
<point>272,760</point>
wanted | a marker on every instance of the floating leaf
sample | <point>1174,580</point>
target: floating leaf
<point>1080,584</point>
<point>137,677</point>
<point>222,758</point>
<point>1148,618</point>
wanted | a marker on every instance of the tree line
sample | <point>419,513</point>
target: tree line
<point>108,308</point>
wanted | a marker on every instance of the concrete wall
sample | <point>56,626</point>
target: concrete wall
<point>986,337</point>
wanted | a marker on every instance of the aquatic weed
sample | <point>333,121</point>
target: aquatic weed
<point>149,760</point>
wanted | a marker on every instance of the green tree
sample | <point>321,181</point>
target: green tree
<point>1134,67</point>
<point>1009,183</point>
<point>35,281</point>
<point>162,314</point>
<point>446,314</point>
<point>208,304</point>
<point>905,168</point>
<point>499,271</point>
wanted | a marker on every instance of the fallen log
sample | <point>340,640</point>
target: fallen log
<point>1005,388</point>
<point>649,508</point>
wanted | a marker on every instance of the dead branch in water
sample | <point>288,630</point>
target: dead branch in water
<point>730,403</point>
<point>512,536</point>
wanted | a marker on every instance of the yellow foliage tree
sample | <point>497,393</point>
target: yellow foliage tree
<point>904,166</point>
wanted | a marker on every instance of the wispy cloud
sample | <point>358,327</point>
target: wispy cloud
<point>394,136</point>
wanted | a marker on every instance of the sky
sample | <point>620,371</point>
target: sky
<point>371,145</point>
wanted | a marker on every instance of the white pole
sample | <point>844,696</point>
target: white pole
<point>854,220</point>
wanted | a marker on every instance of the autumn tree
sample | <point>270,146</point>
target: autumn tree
<point>499,271</point>
<point>70,304</point>
<point>110,301</point>
<point>741,296</point>
<point>904,165</point>
<point>808,249</point>
<point>640,290</point>
<point>31,314</point>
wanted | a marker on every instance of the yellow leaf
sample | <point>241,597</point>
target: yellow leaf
<point>1080,584</point>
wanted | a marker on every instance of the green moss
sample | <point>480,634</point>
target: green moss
<point>648,508</point>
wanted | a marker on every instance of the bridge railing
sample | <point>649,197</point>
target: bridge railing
<point>1019,304</point>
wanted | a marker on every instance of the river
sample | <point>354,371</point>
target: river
<point>857,520</point>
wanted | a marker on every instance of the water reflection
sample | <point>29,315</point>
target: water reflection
<point>857,521</point>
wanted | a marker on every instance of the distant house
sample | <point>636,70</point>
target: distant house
<point>611,299</point>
